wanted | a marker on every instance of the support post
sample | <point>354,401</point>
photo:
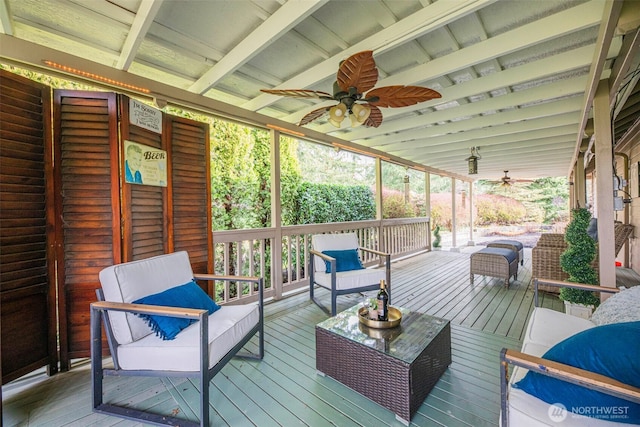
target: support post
<point>604,185</point>
<point>276,216</point>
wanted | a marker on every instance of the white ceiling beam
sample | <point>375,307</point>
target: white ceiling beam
<point>427,19</point>
<point>547,66</point>
<point>475,137</point>
<point>144,18</point>
<point>554,90</point>
<point>278,24</point>
<point>500,150</point>
<point>609,19</point>
<point>560,24</point>
<point>541,111</point>
<point>5,20</point>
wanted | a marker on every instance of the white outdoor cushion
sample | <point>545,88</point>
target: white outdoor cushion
<point>545,329</point>
<point>351,279</point>
<point>332,242</point>
<point>528,411</point>
<point>227,327</point>
<point>132,280</point>
<point>548,327</point>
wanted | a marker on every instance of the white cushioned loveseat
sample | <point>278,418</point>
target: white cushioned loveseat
<point>184,333</point>
<point>560,350</point>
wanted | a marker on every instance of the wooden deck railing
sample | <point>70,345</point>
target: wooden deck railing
<point>281,255</point>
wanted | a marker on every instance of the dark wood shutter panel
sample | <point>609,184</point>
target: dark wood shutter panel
<point>27,295</point>
<point>191,190</point>
<point>88,206</point>
<point>143,206</point>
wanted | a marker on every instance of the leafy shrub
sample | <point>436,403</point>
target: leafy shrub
<point>436,236</point>
<point>496,209</point>
<point>393,205</point>
<point>322,203</point>
<point>576,260</point>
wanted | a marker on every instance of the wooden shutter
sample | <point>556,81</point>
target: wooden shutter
<point>144,207</point>
<point>190,200</point>
<point>27,292</point>
<point>87,204</point>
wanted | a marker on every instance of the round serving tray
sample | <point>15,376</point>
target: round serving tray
<point>395,316</point>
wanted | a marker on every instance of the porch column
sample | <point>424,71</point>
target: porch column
<point>378,166</point>
<point>454,228</point>
<point>427,206</point>
<point>471,217</point>
<point>579,183</point>
<point>276,216</point>
<point>382,238</point>
<point>604,185</point>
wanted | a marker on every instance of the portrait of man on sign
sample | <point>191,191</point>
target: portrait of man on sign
<point>132,163</point>
<point>144,165</point>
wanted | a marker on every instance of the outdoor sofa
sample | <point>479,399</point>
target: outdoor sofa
<point>555,345</point>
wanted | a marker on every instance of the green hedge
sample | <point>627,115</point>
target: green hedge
<point>322,203</point>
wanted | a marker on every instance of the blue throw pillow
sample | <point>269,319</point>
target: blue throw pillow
<point>346,260</point>
<point>612,350</point>
<point>189,295</point>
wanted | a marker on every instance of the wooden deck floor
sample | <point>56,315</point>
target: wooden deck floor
<point>284,389</point>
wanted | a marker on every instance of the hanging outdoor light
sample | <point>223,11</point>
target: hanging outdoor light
<point>473,160</point>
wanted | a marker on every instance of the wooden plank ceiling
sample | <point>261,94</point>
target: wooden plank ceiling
<point>516,77</point>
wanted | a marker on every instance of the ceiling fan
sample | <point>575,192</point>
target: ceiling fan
<point>506,180</point>
<point>356,75</point>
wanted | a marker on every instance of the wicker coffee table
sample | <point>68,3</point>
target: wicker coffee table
<point>396,368</point>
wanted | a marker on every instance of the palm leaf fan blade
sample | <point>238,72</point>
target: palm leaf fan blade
<point>313,115</point>
<point>375,117</point>
<point>298,93</point>
<point>359,71</point>
<point>401,96</point>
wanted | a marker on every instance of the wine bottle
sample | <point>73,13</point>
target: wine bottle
<point>383,302</point>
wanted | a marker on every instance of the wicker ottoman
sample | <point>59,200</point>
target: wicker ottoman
<point>495,262</point>
<point>514,245</point>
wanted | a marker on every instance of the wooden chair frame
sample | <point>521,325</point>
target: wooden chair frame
<point>100,316</point>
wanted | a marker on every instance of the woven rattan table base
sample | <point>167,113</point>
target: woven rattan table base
<point>394,384</point>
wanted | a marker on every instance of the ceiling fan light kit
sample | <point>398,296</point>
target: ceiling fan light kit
<point>356,75</point>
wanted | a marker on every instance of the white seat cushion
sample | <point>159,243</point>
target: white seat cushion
<point>351,279</point>
<point>548,327</point>
<point>133,280</point>
<point>227,327</point>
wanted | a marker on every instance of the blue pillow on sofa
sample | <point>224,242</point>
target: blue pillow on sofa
<point>612,350</point>
<point>346,260</point>
<point>189,295</point>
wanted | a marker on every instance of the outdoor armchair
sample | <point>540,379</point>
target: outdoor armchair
<point>335,265</point>
<point>184,341</point>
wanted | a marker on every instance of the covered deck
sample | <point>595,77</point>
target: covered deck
<point>284,389</point>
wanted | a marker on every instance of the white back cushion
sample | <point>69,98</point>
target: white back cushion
<point>332,242</point>
<point>132,280</point>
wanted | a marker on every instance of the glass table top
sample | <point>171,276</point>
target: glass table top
<point>404,342</point>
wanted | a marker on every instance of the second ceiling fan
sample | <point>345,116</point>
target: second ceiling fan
<point>356,75</point>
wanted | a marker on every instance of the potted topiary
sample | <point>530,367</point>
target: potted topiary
<point>436,238</point>
<point>576,261</point>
